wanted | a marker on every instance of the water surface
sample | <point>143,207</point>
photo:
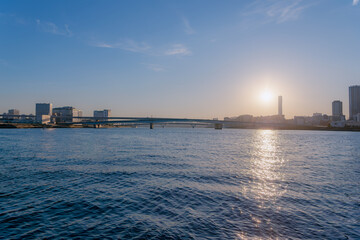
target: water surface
<point>179,184</point>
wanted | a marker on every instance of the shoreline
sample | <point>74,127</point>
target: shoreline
<point>290,127</point>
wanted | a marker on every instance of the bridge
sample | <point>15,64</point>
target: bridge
<point>97,122</point>
<point>133,121</point>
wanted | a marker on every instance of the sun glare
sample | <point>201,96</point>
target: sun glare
<point>266,96</point>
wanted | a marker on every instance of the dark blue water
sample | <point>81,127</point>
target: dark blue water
<point>179,184</point>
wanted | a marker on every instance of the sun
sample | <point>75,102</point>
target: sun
<point>266,96</point>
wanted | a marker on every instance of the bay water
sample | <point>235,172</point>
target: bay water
<point>179,183</point>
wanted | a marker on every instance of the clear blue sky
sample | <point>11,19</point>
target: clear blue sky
<point>179,58</point>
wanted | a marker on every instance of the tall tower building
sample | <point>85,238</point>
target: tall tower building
<point>280,112</point>
<point>354,101</point>
<point>337,108</point>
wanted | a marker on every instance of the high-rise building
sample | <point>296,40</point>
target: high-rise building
<point>354,101</point>
<point>43,112</point>
<point>280,106</point>
<point>337,108</point>
<point>102,114</point>
<point>67,114</point>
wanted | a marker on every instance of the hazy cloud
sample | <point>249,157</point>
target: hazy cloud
<point>187,27</point>
<point>103,45</point>
<point>178,49</point>
<point>127,45</point>
<point>278,11</point>
<point>143,47</point>
<point>13,18</point>
<point>52,28</point>
<point>355,2</point>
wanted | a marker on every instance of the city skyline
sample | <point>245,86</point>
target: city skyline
<point>164,59</point>
<point>336,108</point>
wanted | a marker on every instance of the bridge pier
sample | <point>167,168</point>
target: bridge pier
<point>151,125</point>
<point>218,126</point>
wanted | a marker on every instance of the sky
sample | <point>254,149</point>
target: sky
<point>191,58</point>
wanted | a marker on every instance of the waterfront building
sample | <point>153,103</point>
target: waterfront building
<point>337,108</point>
<point>301,120</point>
<point>269,119</point>
<point>317,119</point>
<point>102,114</point>
<point>242,118</point>
<point>357,117</point>
<point>66,114</point>
<point>354,101</point>
<point>337,111</point>
<point>320,119</point>
<point>245,118</point>
<point>12,112</point>
<point>43,112</point>
<point>43,119</point>
<point>280,112</point>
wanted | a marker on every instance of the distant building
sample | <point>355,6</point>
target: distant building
<point>301,120</point>
<point>337,111</point>
<point>43,109</point>
<point>320,119</point>
<point>43,119</point>
<point>317,119</point>
<point>354,122</point>
<point>12,112</point>
<point>337,108</point>
<point>357,117</point>
<point>245,118</point>
<point>241,118</point>
<point>280,112</point>
<point>354,101</point>
<point>269,119</point>
<point>43,112</point>
<point>66,114</point>
<point>102,114</point>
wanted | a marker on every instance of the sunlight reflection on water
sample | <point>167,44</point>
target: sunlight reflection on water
<point>266,167</point>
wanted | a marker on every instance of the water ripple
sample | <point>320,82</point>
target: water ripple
<point>179,184</point>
